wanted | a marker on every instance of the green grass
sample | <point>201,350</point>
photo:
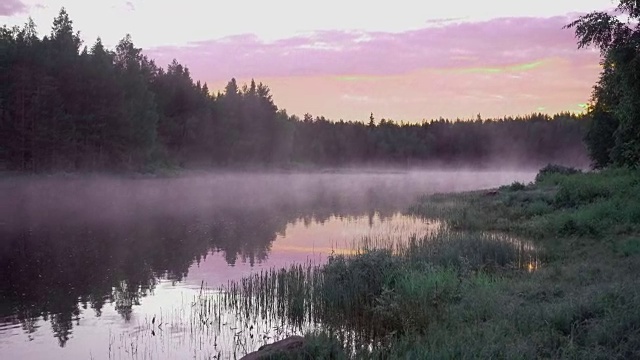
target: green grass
<point>584,302</point>
<point>476,289</point>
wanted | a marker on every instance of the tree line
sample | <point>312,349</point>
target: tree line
<point>73,108</point>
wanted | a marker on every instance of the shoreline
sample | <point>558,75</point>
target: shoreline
<point>582,301</point>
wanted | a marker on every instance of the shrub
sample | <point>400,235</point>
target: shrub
<point>517,186</point>
<point>574,193</point>
<point>552,169</point>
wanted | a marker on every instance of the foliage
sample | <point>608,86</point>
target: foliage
<point>515,186</point>
<point>551,169</point>
<point>600,138</point>
<point>614,135</point>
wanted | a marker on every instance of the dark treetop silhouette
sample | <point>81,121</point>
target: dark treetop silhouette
<point>65,107</point>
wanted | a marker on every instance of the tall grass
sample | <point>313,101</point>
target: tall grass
<point>380,293</point>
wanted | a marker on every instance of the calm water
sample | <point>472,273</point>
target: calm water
<point>86,264</point>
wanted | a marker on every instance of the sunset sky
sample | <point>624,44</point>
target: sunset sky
<point>401,59</point>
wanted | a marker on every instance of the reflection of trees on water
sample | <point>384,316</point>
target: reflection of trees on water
<point>56,271</point>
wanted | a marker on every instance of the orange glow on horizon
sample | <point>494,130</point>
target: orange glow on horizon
<point>548,85</point>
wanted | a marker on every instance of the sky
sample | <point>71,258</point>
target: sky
<point>403,60</point>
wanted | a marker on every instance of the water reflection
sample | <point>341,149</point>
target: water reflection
<point>350,234</point>
<point>65,281</point>
<point>54,273</point>
<point>80,254</point>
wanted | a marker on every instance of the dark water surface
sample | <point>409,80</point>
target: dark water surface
<point>87,263</point>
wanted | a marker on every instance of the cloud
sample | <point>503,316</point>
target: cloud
<point>499,45</point>
<point>11,7</point>
<point>456,69</point>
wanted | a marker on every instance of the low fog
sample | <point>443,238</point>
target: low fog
<point>100,238</point>
<point>34,201</point>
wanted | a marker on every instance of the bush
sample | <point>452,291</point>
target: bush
<point>552,169</point>
<point>516,186</point>
<point>577,192</point>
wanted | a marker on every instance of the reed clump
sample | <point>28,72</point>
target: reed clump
<point>378,294</point>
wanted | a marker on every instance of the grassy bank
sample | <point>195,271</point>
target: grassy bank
<point>476,289</point>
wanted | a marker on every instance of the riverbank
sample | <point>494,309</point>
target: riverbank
<point>478,289</point>
<point>177,172</point>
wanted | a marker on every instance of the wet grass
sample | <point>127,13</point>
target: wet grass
<point>583,303</point>
<point>371,299</point>
<point>473,290</point>
<point>580,205</point>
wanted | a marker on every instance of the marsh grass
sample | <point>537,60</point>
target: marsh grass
<point>208,325</point>
<point>380,293</point>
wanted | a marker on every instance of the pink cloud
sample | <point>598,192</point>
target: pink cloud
<point>11,7</point>
<point>495,43</point>
<point>499,67</point>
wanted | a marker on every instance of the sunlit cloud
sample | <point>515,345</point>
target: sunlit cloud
<point>499,45</point>
<point>496,67</point>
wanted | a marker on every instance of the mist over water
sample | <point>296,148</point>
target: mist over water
<point>84,259</point>
<point>104,199</point>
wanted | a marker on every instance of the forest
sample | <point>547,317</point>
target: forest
<point>69,107</point>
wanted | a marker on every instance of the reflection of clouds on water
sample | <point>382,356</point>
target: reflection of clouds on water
<point>345,234</point>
